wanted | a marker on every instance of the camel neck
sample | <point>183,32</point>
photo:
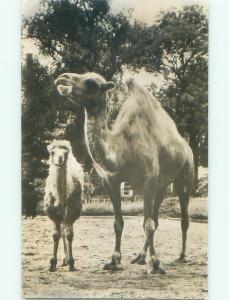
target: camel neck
<point>59,182</point>
<point>98,141</point>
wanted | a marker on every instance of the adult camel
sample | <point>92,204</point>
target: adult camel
<point>143,148</point>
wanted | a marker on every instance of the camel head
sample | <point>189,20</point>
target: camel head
<point>59,150</point>
<point>87,89</point>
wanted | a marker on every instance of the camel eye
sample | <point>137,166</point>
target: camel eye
<point>91,85</point>
<point>65,76</point>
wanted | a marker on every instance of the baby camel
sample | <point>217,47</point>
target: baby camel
<point>143,148</point>
<point>62,200</point>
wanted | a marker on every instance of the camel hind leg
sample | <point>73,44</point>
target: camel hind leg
<point>183,185</point>
<point>151,223</point>
<point>141,257</point>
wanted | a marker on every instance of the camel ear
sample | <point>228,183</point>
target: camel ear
<point>109,85</point>
<point>49,147</point>
<point>68,145</point>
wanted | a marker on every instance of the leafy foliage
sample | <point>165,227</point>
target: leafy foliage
<point>36,118</point>
<point>80,35</point>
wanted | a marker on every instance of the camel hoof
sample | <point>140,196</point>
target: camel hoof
<point>52,268</point>
<point>71,264</point>
<point>140,259</point>
<point>53,262</point>
<point>65,262</point>
<point>72,269</point>
<point>154,267</point>
<point>181,260</point>
<point>159,270</point>
<point>113,267</point>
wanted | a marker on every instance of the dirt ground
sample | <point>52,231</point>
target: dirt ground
<point>93,245</point>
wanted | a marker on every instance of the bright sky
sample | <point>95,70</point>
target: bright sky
<point>148,10</point>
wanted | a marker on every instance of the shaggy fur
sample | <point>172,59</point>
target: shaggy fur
<point>143,147</point>
<point>62,200</point>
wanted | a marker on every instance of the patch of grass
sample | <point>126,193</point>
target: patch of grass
<point>198,208</point>
<point>96,208</point>
<point>105,208</point>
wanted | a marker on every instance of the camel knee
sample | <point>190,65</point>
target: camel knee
<point>118,225</point>
<point>56,235</point>
<point>50,212</point>
<point>150,227</point>
<point>54,213</point>
<point>69,234</point>
<point>184,223</point>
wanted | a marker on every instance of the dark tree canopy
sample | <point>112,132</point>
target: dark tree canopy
<point>80,35</point>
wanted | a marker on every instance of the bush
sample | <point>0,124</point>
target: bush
<point>202,187</point>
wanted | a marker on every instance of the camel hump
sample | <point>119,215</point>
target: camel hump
<point>131,83</point>
<point>135,88</point>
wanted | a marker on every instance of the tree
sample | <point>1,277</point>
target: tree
<point>177,47</point>
<point>37,117</point>
<point>80,35</point>
<point>44,117</point>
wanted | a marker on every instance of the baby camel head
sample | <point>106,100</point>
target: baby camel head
<point>59,150</point>
<point>88,89</point>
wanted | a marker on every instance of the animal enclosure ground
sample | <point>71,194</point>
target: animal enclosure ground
<point>93,245</point>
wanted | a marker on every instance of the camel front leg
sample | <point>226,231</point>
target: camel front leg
<point>114,193</point>
<point>65,260</point>
<point>56,238</point>
<point>141,257</point>
<point>68,235</point>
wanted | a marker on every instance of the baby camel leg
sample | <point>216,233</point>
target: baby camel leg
<point>65,260</point>
<point>56,238</point>
<point>68,235</point>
